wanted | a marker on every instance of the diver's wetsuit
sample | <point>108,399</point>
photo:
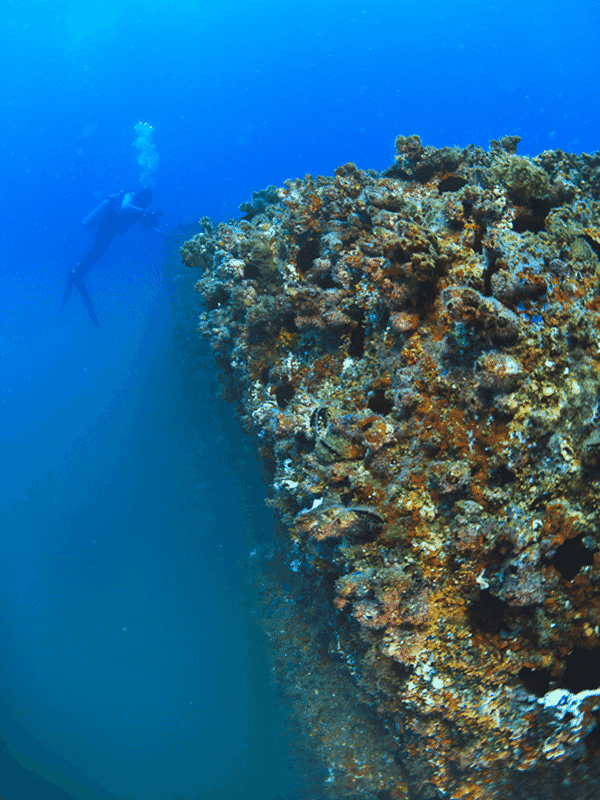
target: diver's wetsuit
<point>119,217</point>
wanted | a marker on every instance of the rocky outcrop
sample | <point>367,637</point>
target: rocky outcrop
<point>416,354</point>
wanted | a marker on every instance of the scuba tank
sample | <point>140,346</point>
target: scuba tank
<point>96,215</point>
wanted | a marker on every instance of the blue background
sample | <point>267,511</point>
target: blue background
<point>128,497</point>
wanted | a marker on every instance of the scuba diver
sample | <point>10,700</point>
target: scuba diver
<point>116,214</point>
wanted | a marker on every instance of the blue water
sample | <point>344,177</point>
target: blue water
<point>130,664</point>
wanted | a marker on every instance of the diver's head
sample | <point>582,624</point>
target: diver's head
<point>144,197</point>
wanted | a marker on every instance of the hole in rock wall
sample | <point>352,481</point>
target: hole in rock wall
<point>289,322</point>
<point>307,254</point>
<point>218,299</point>
<point>451,183</point>
<point>379,403</point>
<point>493,266</point>
<point>424,172</point>
<point>571,556</point>
<point>303,443</point>
<point>531,216</point>
<point>502,476</point>
<point>536,681</point>
<point>486,614</point>
<point>325,281</point>
<point>425,294</point>
<point>284,394</point>
<point>582,670</point>
<point>251,272</point>
<point>480,232</point>
<point>356,348</point>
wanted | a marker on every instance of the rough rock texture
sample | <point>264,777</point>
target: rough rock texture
<point>416,354</point>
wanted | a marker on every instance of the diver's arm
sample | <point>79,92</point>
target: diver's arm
<point>150,220</point>
<point>153,228</point>
<point>127,207</point>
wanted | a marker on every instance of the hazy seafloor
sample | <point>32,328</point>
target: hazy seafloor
<point>133,666</point>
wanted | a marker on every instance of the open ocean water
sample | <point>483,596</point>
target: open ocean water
<point>130,664</point>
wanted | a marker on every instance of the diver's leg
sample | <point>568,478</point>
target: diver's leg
<point>104,237</point>
<point>67,293</point>
<point>87,302</point>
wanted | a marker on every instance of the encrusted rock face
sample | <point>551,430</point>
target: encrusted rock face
<point>416,355</point>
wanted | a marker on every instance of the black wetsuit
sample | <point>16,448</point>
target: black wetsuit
<point>108,227</point>
<point>119,217</point>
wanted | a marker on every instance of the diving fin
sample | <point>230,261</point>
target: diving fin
<point>75,280</point>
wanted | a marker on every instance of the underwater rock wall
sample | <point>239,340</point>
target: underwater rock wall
<point>415,353</point>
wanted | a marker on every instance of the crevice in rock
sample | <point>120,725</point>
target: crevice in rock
<point>531,215</point>
<point>536,681</point>
<point>284,393</point>
<point>356,347</point>
<point>451,183</point>
<point>307,254</point>
<point>582,670</point>
<point>571,556</point>
<point>486,614</point>
<point>379,403</point>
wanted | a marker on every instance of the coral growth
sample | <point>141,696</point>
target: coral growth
<point>416,353</point>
